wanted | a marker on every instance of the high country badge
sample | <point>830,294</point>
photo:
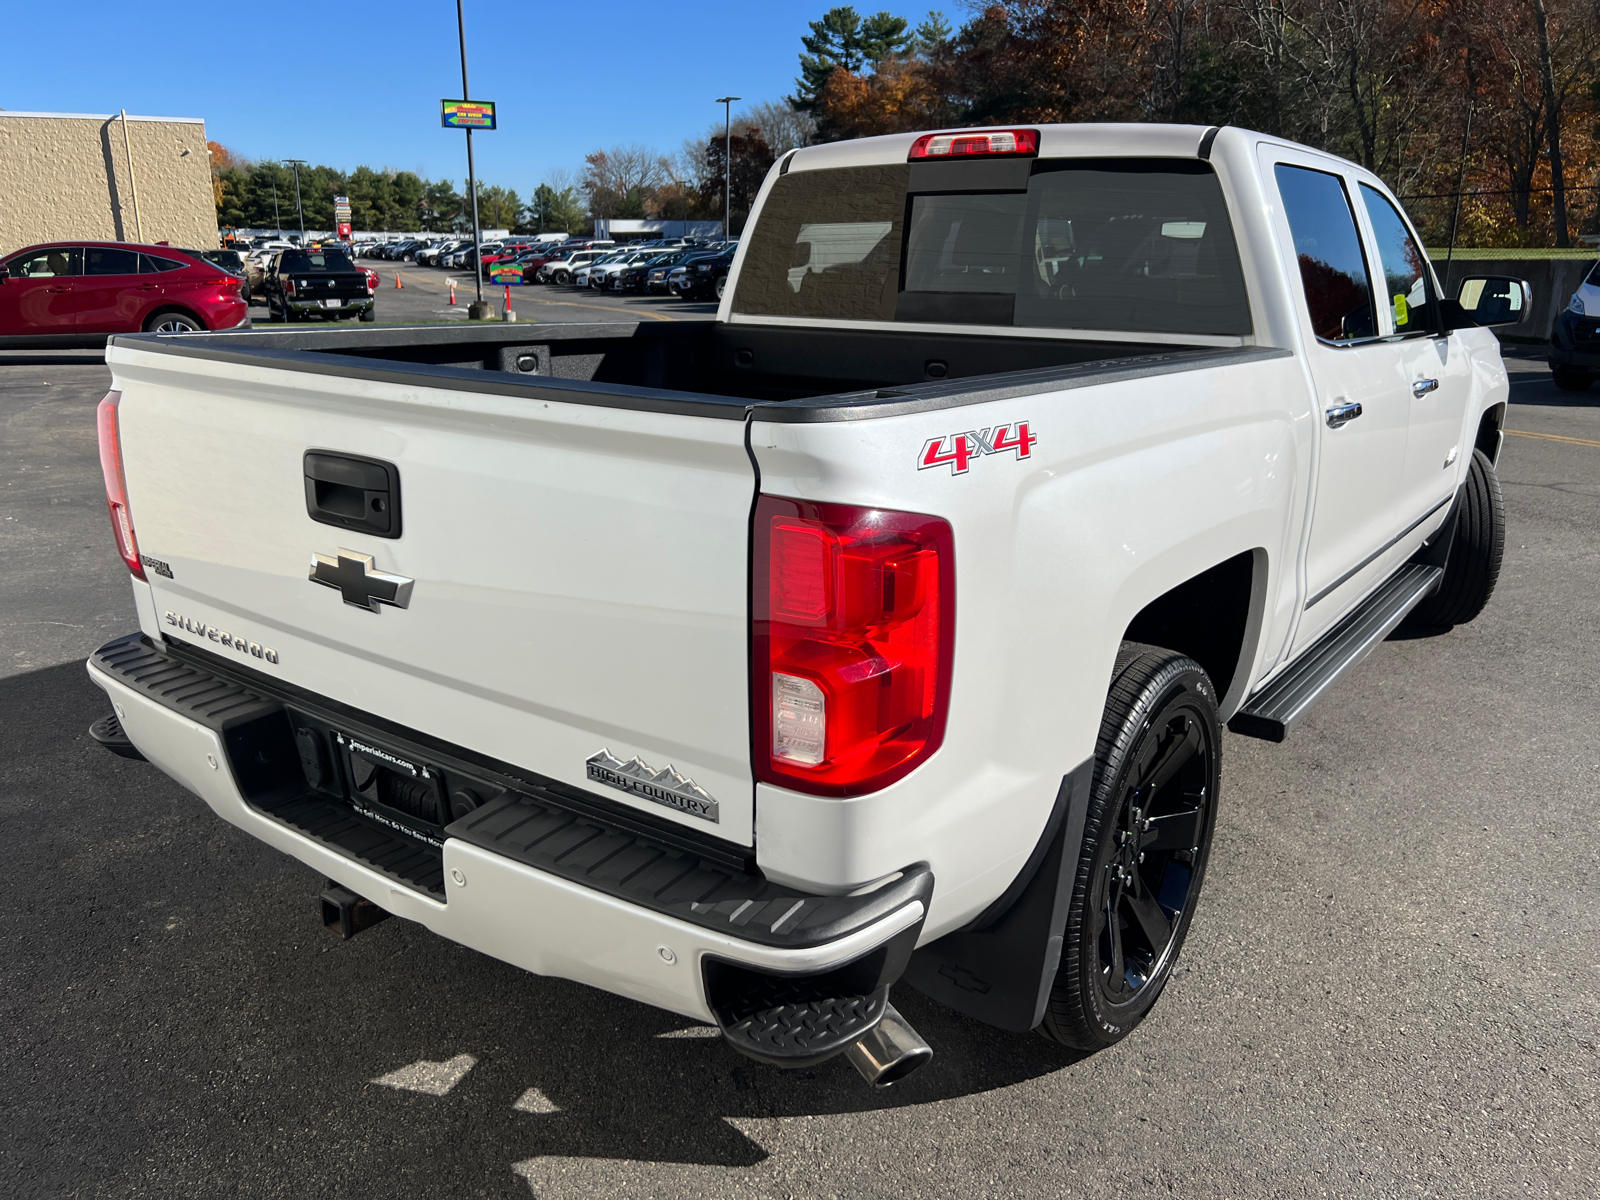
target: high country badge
<point>666,786</point>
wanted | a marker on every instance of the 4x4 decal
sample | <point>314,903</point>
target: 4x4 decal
<point>975,443</point>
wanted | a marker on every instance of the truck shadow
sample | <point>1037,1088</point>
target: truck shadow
<point>178,973</point>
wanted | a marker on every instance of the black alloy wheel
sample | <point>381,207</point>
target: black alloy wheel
<point>1146,841</point>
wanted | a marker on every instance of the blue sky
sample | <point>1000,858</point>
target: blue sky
<point>360,81</point>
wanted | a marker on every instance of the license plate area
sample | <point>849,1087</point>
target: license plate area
<point>384,787</point>
<point>384,784</point>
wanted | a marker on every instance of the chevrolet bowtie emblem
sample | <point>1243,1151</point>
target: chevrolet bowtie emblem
<point>358,582</point>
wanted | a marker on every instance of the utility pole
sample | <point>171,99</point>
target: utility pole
<point>297,163</point>
<point>727,164</point>
<point>133,184</point>
<point>477,311</point>
<point>276,219</point>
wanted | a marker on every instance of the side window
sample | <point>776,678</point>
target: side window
<point>1333,269</point>
<point>1407,285</point>
<point>150,264</point>
<point>107,260</point>
<point>45,264</point>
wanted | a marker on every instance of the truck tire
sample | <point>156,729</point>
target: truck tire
<point>1569,379</point>
<point>1479,543</point>
<point>1146,839</point>
<point>563,277</point>
<point>368,314</point>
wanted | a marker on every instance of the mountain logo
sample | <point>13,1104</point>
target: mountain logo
<point>666,786</point>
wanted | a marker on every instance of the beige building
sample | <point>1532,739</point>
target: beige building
<point>68,175</point>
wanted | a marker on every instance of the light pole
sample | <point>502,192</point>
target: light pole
<point>276,219</point>
<point>727,164</point>
<point>297,163</point>
<point>476,311</point>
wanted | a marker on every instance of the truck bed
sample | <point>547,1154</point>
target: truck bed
<point>711,368</point>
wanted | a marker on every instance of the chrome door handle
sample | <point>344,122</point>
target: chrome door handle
<point>1422,387</point>
<point>1342,414</point>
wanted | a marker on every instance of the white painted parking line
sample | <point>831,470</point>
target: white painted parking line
<point>430,1078</point>
<point>535,1101</point>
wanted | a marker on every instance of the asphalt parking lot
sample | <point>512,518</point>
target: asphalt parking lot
<point>424,297</point>
<point>1391,988</point>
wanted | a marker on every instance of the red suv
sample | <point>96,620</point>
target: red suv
<point>63,292</point>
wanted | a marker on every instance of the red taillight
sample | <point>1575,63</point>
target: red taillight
<point>372,281</point>
<point>288,287</point>
<point>117,484</point>
<point>964,145</point>
<point>854,631</point>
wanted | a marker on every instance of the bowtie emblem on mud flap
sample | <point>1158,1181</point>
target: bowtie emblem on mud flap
<point>361,584</point>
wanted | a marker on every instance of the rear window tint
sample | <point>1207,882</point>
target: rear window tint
<point>317,260</point>
<point>150,264</point>
<point>1140,245</point>
<point>827,244</point>
<point>103,260</point>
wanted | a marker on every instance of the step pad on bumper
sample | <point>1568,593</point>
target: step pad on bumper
<point>635,867</point>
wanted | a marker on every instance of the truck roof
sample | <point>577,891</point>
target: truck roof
<point>1108,139</point>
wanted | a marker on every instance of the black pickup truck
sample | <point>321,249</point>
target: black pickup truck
<point>303,284</point>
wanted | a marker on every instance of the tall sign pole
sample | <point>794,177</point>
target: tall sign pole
<point>727,164</point>
<point>472,175</point>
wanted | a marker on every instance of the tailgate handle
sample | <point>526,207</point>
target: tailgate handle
<point>352,492</point>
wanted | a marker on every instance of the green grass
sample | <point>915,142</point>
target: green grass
<point>1463,254</point>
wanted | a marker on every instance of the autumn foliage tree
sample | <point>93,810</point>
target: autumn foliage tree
<point>1387,83</point>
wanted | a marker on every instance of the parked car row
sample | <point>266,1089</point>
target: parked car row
<point>692,271</point>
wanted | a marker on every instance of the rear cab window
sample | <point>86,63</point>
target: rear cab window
<point>1333,266</point>
<point>304,261</point>
<point>1141,245</point>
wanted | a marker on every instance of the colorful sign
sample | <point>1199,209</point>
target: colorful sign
<point>344,231</point>
<point>505,272</point>
<point>468,114</point>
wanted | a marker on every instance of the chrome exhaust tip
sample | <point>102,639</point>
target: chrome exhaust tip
<point>889,1051</point>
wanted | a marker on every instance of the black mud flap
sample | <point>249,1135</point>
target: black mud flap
<point>1000,968</point>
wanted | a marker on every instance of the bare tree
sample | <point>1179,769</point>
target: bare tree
<point>782,126</point>
<point>610,176</point>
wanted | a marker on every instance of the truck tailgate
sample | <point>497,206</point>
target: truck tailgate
<point>579,592</point>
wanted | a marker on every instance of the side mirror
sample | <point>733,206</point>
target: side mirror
<point>1488,300</point>
<point>5,272</point>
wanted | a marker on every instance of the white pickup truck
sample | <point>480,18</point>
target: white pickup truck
<point>880,630</point>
